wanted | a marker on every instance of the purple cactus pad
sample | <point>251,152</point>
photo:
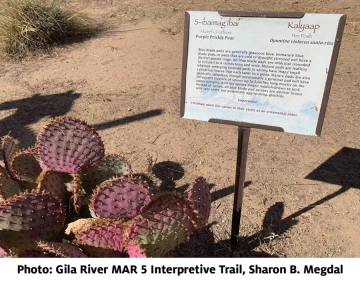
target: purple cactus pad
<point>120,198</point>
<point>167,222</point>
<point>104,240</point>
<point>134,250</point>
<point>30,216</point>
<point>69,145</point>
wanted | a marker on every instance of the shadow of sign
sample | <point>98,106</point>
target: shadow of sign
<point>203,244</point>
<point>341,169</point>
<point>128,119</point>
<point>216,195</point>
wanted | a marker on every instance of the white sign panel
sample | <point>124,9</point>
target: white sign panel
<point>259,70</point>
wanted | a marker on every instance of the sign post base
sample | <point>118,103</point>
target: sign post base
<point>243,142</point>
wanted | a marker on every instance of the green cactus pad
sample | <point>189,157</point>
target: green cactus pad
<point>25,165</point>
<point>61,249</point>
<point>120,197</point>
<point>199,195</point>
<point>166,223</point>
<point>104,240</point>
<point>69,145</point>
<point>9,149</point>
<point>52,182</point>
<point>30,216</point>
<point>111,165</point>
<point>8,187</point>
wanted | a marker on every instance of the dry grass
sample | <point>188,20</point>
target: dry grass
<point>37,25</point>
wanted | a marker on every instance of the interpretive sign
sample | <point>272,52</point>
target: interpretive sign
<point>260,70</point>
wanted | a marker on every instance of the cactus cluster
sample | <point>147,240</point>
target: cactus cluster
<point>64,197</point>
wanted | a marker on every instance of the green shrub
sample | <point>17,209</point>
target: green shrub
<point>37,25</point>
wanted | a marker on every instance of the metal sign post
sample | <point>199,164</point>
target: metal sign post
<point>243,142</point>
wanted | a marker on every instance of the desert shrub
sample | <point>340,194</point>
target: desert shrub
<point>37,25</point>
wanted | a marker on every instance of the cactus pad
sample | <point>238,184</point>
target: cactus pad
<point>134,250</point>
<point>61,249</point>
<point>199,194</point>
<point>166,223</point>
<point>120,197</point>
<point>25,165</point>
<point>30,216</point>
<point>71,179</point>
<point>9,149</point>
<point>69,145</point>
<point>52,182</point>
<point>8,187</point>
<point>111,165</point>
<point>3,170</point>
<point>103,240</point>
<point>26,185</point>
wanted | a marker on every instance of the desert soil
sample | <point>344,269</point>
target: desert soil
<point>302,196</point>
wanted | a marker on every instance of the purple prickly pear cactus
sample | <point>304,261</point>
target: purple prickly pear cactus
<point>30,216</point>
<point>112,165</point>
<point>26,185</point>
<point>25,165</point>
<point>52,182</point>
<point>167,222</point>
<point>67,144</point>
<point>9,149</point>
<point>8,187</point>
<point>103,239</point>
<point>199,195</point>
<point>69,168</point>
<point>3,171</point>
<point>61,249</point>
<point>134,250</point>
<point>120,198</point>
